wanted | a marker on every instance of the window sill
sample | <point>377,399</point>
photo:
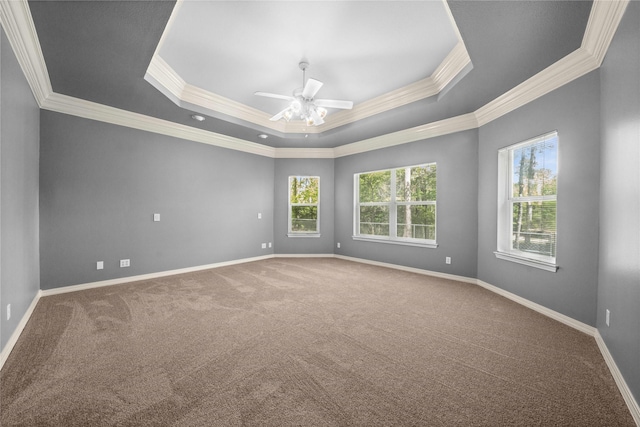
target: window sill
<point>303,234</point>
<point>395,242</point>
<point>547,266</point>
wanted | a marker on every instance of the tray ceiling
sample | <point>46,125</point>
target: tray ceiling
<point>97,55</point>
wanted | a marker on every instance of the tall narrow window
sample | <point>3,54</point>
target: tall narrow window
<point>527,202</point>
<point>304,206</point>
<point>396,205</point>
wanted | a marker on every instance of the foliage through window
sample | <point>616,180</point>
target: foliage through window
<point>397,204</point>
<point>304,205</point>
<point>528,203</point>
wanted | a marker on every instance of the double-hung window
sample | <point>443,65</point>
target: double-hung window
<point>304,206</point>
<point>396,205</point>
<point>527,202</point>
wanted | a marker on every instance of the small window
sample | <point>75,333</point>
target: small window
<point>304,206</point>
<point>527,202</point>
<point>396,205</point>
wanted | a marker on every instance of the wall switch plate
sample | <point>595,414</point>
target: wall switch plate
<point>607,317</point>
<point>264,246</point>
<point>8,311</point>
<point>99,265</point>
<point>259,215</point>
<point>448,260</point>
<point>125,263</point>
<point>338,244</point>
<point>269,244</point>
<point>156,217</point>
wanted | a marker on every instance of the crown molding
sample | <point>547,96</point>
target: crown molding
<point>602,25</point>
<point>604,19</point>
<point>17,22</point>
<point>168,81</point>
<point>569,68</point>
<point>305,153</point>
<point>418,133</point>
<point>94,111</point>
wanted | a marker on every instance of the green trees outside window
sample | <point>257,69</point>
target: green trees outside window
<point>527,202</point>
<point>397,204</point>
<point>304,204</point>
<point>534,182</point>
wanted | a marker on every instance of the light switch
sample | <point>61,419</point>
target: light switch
<point>156,217</point>
<point>99,265</point>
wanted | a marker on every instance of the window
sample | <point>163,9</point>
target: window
<point>527,201</point>
<point>304,206</point>
<point>396,205</point>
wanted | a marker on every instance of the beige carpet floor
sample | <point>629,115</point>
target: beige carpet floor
<point>302,342</point>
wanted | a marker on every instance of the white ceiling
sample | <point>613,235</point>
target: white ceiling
<point>358,49</point>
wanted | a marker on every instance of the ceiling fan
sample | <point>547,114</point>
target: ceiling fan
<point>302,103</point>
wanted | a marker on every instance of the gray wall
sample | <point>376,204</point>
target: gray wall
<point>457,200</point>
<point>304,245</point>
<point>100,185</point>
<point>619,268</point>
<point>572,110</point>
<point>19,152</point>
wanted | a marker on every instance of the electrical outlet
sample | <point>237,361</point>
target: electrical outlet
<point>607,317</point>
<point>338,244</point>
<point>8,311</point>
<point>259,215</point>
<point>269,244</point>
<point>99,265</point>
<point>447,260</point>
<point>125,263</point>
<point>264,246</point>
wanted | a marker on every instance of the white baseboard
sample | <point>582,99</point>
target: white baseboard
<point>569,321</point>
<point>409,269</point>
<point>121,280</point>
<point>303,256</point>
<point>627,395</point>
<point>6,351</point>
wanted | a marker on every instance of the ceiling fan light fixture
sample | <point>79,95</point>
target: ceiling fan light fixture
<point>303,104</point>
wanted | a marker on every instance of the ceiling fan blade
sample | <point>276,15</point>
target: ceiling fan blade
<point>274,95</point>
<point>311,88</point>
<point>334,103</point>
<point>279,115</point>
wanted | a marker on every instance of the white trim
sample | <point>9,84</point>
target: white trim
<point>418,133</point>
<point>410,269</point>
<point>304,153</point>
<point>627,395</point>
<point>603,21</point>
<point>6,351</point>
<point>569,321</point>
<point>17,22</point>
<point>121,280</point>
<point>303,256</point>
<point>91,110</point>
<point>547,266</point>
<point>296,235</point>
<point>364,238</point>
<point>162,76</point>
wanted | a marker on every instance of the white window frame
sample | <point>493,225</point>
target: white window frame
<point>505,211</point>
<point>290,232</point>
<point>392,205</point>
